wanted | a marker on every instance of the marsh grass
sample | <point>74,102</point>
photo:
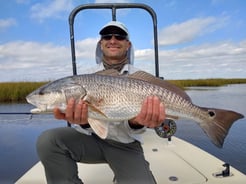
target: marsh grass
<point>15,92</point>
<point>206,82</point>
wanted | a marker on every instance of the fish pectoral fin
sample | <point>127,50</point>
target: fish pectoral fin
<point>99,127</point>
<point>90,101</point>
<point>95,109</point>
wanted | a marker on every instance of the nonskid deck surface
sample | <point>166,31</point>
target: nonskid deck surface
<point>172,162</point>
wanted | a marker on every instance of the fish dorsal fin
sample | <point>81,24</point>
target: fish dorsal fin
<point>109,72</point>
<point>142,75</point>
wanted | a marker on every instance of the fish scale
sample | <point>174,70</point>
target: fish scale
<point>113,98</point>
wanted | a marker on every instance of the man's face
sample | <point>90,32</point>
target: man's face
<point>114,47</point>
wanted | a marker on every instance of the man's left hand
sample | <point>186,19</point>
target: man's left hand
<point>152,113</point>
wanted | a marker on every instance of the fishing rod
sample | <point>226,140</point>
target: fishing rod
<point>165,130</point>
<point>27,113</point>
<point>10,113</point>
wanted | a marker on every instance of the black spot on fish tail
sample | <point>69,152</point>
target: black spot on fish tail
<point>211,113</point>
<point>219,124</point>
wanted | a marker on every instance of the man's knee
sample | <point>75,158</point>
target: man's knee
<point>45,142</point>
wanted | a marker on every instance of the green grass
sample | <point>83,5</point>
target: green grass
<point>17,91</point>
<point>14,92</point>
<point>206,82</point>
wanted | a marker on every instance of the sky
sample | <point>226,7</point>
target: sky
<point>196,39</point>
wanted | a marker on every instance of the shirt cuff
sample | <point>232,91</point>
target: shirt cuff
<point>135,131</point>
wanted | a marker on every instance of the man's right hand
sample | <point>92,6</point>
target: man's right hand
<point>74,113</point>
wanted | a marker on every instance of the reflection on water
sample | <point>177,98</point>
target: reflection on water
<point>232,97</point>
<point>18,137</point>
<point>19,132</point>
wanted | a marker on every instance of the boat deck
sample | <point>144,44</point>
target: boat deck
<point>172,162</point>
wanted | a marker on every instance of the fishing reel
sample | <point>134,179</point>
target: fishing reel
<point>166,129</point>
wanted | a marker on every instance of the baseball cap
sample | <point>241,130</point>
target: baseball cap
<point>114,26</point>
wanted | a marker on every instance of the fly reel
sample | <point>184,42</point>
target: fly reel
<point>166,129</point>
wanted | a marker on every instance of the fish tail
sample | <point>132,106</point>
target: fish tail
<point>221,122</point>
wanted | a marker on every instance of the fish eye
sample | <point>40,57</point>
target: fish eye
<point>211,113</point>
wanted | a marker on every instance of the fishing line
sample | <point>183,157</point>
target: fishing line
<point>10,117</point>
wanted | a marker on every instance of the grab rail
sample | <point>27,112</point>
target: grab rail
<point>113,7</point>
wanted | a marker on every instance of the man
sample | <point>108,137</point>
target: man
<point>60,149</point>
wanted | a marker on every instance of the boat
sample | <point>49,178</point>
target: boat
<point>172,160</point>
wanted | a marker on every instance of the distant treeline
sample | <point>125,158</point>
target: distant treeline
<point>14,92</point>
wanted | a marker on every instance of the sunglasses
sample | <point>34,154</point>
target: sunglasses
<point>117,37</point>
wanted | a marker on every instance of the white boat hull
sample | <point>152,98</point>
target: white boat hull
<point>175,162</point>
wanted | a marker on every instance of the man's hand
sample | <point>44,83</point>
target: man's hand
<point>152,113</point>
<point>75,113</point>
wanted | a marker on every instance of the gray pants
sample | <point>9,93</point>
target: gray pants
<point>59,149</point>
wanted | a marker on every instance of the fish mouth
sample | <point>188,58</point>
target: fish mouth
<point>33,103</point>
<point>31,99</point>
<point>40,111</point>
<point>39,107</point>
<point>36,111</point>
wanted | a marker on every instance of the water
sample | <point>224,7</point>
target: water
<point>229,97</point>
<point>19,132</point>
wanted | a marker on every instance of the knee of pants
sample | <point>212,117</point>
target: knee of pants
<point>45,143</point>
